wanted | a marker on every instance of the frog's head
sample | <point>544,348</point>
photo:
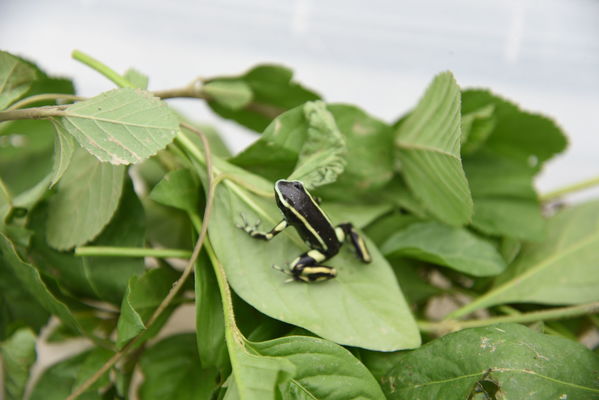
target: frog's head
<point>291,193</point>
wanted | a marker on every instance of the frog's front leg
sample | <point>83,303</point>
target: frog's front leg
<point>347,231</point>
<point>253,231</point>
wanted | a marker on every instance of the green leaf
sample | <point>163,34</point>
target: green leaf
<point>364,305</point>
<point>369,166</point>
<point>64,146</point>
<point>88,195</point>
<point>210,323</point>
<point>524,137</point>
<point>428,148</point>
<point>273,93</point>
<point>563,269</point>
<point>322,156</point>
<point>456,248</point>
<point>122,126</point>
<point>510,360</point>
<point>171,370</point>
<point>18,355</point>
<point>505,201</point>
<point>477,125</point>
<point>324,370</point>
<point>61,379</point>
<point>17,307</point>
<point>137,78</point>
<point>30,279</point>
<point>232,94</point>
<point>143,295</point>
<point>178,189</point>
<point>102,278</point>
<point>257,377</point>
<point>16,78</point>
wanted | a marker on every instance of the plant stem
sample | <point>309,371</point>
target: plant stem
<point>174,290</point>
<point>544,315</point>
<point>555,194</point>
<point>101,68</point>
<point>107,251</point>
<point>33,113</point>
<point>44,97</point>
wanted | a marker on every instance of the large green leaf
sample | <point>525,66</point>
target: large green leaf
<point>428,148</point>
<point>60,380</point>
<point>102,278</point>
<point>172,370</point>
<point>178,189</point>
<point>324,370</point>
<point>502,361</point>
<point>456,248</point>
<point>16,78</point>
<point>563,269</point>
<point>272,92</point>
<point>31,280</point>
<point>362,307</point>
<point>88,195</point>
<point>64,146</point>
<point>141,299</point>
<point>18,355</point>
<point>122,126</point>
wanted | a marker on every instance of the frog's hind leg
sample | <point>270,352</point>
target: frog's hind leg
<point>346,231</point>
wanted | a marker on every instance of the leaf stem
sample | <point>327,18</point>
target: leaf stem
<point>555,194</point>
<point>174,290</point>
<point>544,315</point>
<point>45,97</point>
<point>33,113</point>
<point>101,68</point>
<point>108,251</point>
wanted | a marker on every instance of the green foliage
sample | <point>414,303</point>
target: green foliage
<point>270,89</point>
<point>444,199</point>
<point>428,148</point>
<point>505,361</point>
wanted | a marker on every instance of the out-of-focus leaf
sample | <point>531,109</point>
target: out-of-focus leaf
<point>18,355</point>
<point>178,189</point>
<point>172,370</point>
<point>477,125</point>
<point>16,77</point>
<point>137,78</point>
<point>88,195</point>
<point>521,136</point>
<point>428,148</point>
<point>31,280</point>
<point>562,269</point>
<point>61,379</point>
<point>456,248</point>
<point>64,146</point>
<point>273,92</point>
<point>510,361</point>
<point>232,94</point>
<point>143,295</point>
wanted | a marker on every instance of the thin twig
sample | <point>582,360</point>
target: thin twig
<point>45,97</point>
<point>176,287</point>
<point>451,325</point>
<point>33,113</point>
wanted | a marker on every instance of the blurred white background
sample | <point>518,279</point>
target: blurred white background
<point>377,54</point>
